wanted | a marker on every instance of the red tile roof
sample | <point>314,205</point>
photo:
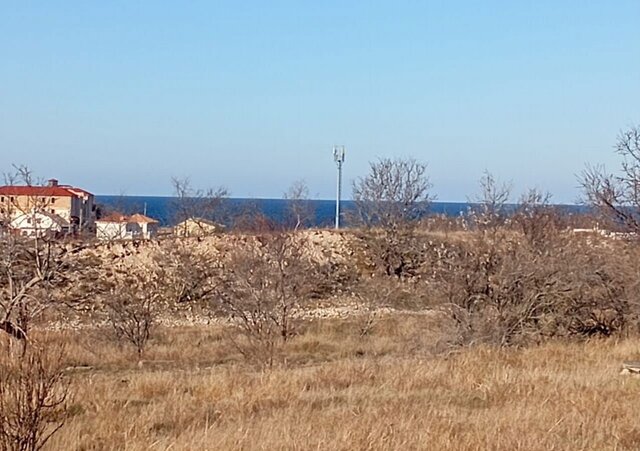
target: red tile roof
<point>48,191</point>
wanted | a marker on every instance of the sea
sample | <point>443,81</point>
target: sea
<point>161,208</point>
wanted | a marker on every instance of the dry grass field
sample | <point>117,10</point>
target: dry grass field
<point>494,339</point>
<point>398,388</point>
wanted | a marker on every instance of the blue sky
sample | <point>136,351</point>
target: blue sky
<point>119,96</point>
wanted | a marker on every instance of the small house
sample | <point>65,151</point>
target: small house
<point>120,227</point>
<point>197,227</point>
<point>39,223</point>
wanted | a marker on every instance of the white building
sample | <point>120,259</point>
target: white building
<point>119,227</point>
<point>40,223</point>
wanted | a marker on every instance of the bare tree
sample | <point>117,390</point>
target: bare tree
<point>266,281</point>
<point>390,200</point>
<point>393,193</point>
<point>34,398</point>
<point>489,210</point>
<point>21,174</point>
<point>38,273</point>
<point>203,206</point>
<point>300,212</point>
<point>133,304</point>
<point>617,197</point>
<point>538,220</point>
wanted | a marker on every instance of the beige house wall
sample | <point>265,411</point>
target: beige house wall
<point>23,204</point>
<point>64,206</point>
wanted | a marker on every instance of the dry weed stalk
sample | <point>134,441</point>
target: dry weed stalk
<point>34,397</point>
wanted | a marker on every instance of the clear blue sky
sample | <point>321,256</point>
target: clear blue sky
<point>118,96</point>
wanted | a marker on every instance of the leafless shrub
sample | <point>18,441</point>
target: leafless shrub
<point>537,220</point>
<point>250,219</point>
<point>38,275</point>
<point>190,272</point>
<point>334,279</point>
<point>34,397</point>
<point>514,291</point>
<point>300,212</point>
<point>601,306</point>
<point>519,276</point>
<point>617,197</point>
<point>133,304</point>
<point>490,208</point>
<point>390,201</point>
<point>267,280</point>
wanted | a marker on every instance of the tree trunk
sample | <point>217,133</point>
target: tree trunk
<point>12,330</point>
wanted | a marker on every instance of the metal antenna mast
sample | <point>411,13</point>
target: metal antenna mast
<point>338,156</point>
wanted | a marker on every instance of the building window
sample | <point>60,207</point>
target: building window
<point>53,211</point>
<point>2,199</point>
<point>53,200</point>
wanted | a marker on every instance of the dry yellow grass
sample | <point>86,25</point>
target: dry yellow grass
<point>392,390</point>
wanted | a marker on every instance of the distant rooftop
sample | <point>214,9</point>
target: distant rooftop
<point>137,218</point>
<point>52,189</point>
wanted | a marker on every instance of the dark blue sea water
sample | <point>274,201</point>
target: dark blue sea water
<point>161,208</point>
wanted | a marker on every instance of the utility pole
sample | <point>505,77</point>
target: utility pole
<point>338,156</point>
